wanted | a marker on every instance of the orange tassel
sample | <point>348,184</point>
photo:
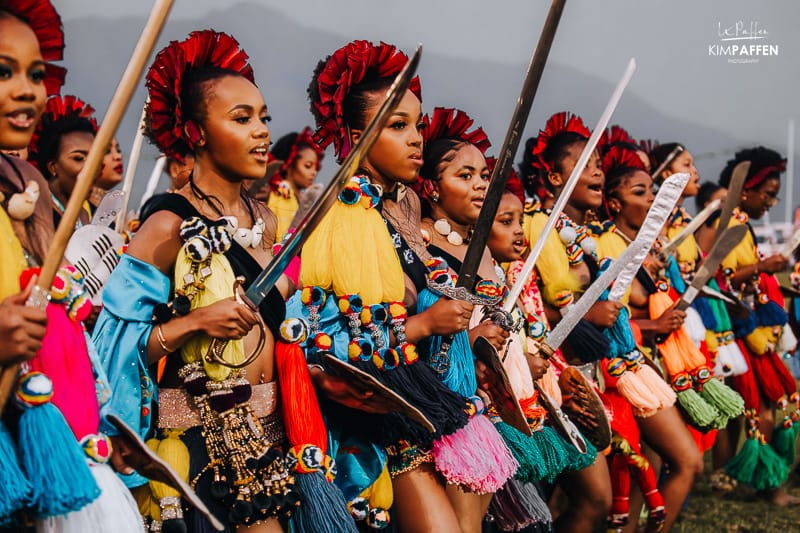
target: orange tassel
<point>302,417</point>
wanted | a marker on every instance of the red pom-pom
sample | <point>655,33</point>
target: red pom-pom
<point>348,66</point>
<point>559,123</point>
<point>54,78</point>
<point>206,48</point>
<point>27,274</point>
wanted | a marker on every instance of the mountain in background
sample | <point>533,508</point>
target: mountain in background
<point>284,54</point>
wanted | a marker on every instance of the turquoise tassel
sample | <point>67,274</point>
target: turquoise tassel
<point>532,466</point>
<point>16,489</point>
<point>52,458</point>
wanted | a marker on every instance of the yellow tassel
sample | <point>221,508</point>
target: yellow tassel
<point>380,494</point>
<point>148,504</point>
<point>12,258</point>
<point>553,265</point>
<point>351,252</point>
<point>174,452</point>
<point>218,286</point>
<point>711,341</point>
<point>761,339</point>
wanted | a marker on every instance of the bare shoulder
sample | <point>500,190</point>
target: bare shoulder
<point>157,241</point>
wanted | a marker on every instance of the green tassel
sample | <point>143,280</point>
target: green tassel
<point>532,466</point>
<point>742,467</point>
<point>725,400</point>
<point>784,441</point>
<point>551,447</point>
<point>701,414</point>
<point>771,471</point>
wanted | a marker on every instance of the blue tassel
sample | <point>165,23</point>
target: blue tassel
<point>673,274</point>
<point>324,509</point>
<point>587,342</point>
<point>771,314</point>
<point>460,376</point>
<point>706,312</point>
<point>53,459</point>
<point>16,489</point>
<point>744,327</point>
<point>620,335</point>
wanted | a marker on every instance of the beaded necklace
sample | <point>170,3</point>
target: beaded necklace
<point>576,239</point>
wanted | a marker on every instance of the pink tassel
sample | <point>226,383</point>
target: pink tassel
<point>659,388</point>
<point>631,386</point>
<point>475,456</point>
<point>63,357</point>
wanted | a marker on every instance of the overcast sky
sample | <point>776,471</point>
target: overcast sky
<point>751,103</point>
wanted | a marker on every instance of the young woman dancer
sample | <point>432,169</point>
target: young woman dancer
<point>767,386</point>
<point>58,473</point>
<point>566,267</point>
<point>628,196</point>
<point>59,148</point>
<point>173,292</point>
<point>368,253</point>
<point>301,161</point>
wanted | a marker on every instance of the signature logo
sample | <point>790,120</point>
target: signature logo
<point>742,42</point>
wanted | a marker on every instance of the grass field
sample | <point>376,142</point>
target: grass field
<point>740,511</point>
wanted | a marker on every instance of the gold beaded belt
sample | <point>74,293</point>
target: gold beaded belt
<point>176,409</point>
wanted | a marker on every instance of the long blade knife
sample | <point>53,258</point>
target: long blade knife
<point>691,227</point>
<point>467,275</point>
<point>563,197</point>
<point>668,195</point>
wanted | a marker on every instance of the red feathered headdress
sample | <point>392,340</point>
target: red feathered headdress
<point>346,68</point>
<point>304,139</point>
<point>54,79</point>
<point>57,108</point>
<point>206,48</point>
<point>559,123</point>
<point>617,157</point>
<point>760,174</point>
<point>450,123</point>
<point>648,145</point>
<point>613,136</point>
<point>514,184</point>
<point>45,22</point>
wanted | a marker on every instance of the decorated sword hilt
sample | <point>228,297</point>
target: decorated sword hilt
<point>504,319</point>
<point>214,353</point>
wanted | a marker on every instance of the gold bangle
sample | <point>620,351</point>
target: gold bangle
<point>162,341</point>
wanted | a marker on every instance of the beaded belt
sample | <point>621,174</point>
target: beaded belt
<point>176,409</point>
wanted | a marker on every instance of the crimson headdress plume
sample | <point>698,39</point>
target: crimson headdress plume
<point>615,136</point>
<point>446,123</point>
<point>56,109</point>
<point>45,22</point>
<point>347,67</point>
<point>514,184</point>
<point>563,122</point>
<point>304,139</point>
<point>451,123</point>
<point>621,157</point>
<point>165,120</point>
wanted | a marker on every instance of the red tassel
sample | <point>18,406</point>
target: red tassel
<point>787,380</point>
<point>302,417</point>
<point>745,384</point>
<point>767,378</point>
